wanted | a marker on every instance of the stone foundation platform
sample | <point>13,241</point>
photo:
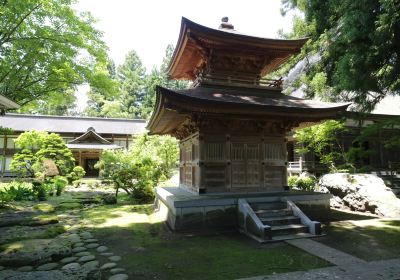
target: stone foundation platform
<point>183,210</point>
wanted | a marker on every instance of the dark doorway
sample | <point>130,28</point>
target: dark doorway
<point>89,167</point>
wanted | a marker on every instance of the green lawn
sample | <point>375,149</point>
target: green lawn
<point>150,251</point>
<point>371,239</point>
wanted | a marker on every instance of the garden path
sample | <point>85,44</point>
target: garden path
<point>346,267</point>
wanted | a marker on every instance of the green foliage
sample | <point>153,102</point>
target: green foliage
<point>322,139</point>
<point>138,171</point>
<point>302,183</point>
<point>357,46</point>
<point>136,92</point>
<point>60,183</point>
<point>77,173</point>
<point>47,49</point>
<point>292,180</point>
<point>388,128</point>
<point>17,191</point>
<point>37,146</point>
<point>6,130</point>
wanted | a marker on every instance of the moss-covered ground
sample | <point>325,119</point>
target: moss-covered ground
<point>151,251</point>
<point>372,239</point>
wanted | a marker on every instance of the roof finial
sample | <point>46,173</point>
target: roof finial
<point>225,24</point>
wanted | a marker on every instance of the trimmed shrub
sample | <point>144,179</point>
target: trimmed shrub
<point>60,183</point>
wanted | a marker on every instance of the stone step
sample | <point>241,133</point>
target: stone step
<point>285,220</point>
<point>288,229</point>
<point>268,205</point>
<point>273,213</point>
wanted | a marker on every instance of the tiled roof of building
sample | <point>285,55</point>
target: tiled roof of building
<point>93,146</point>
<point>68,124</point>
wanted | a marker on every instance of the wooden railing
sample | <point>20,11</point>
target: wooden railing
<point>251,81</point>
<point>297,167</point>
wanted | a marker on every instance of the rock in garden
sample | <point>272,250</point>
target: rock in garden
<point>361,192</point>
<point>68,260</point>
<point>108,266</point>
<point>102,249</point>
<point>92,245</point>
<point>26,268</point>
<point>74,238</point>
<point>119,277</point>
<point>71,266</point>
<point>117,270</point>
<point>81,254</point>
<point>91,240</point>
<point>91,265</point>
<point>114,258</point>
<point>9,234</point>
<point>109,199</point>
<point>34,251</point>
<point>87,258</point>
<point>107,254</point>
<point>86,235</point>
<point>47,266</point>
<point>49,275</point>
<point>78,249</point>
<point>79,244</point>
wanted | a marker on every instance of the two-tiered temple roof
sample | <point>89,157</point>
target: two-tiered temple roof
<point>227,70</point>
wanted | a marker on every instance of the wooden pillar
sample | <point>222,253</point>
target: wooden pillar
<point>80,158</point>
<point>3,163</point>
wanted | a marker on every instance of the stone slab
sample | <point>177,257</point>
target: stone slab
<point>327,253</point>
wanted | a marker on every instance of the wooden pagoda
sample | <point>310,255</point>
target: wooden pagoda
<point>232,123</point>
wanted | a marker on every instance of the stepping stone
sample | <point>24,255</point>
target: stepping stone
<point>87,258</point>
<point>92,265</point>
<point>114,258</point>
<point>86,235</point>
<point>68,260</point>
<point>107,254</point>
<point>47,266</point>
<point>26,268</point>
<point>102,249</point>
<point>91,240</point>
<point>74,238</point>
<point>71,266</point>
<point>92,245</point>
<point>78,249</point>
<point>117,270</point>
<point>79,244</point>
<point>119,277</point>
<point>108,266</point>
<point>81,254</point>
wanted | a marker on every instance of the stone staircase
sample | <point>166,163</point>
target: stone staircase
<point>391,179</point>
<point>275,221</point>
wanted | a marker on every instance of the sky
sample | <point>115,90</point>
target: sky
<point>148,26</point>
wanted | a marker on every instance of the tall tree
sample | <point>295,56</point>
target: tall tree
<point>46,49</point>
<point>356,46</point>
<point>137,89</point>
<point>159,77</point>
<point>131,77</point>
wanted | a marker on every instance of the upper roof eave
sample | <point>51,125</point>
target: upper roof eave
<point>188,26</point>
